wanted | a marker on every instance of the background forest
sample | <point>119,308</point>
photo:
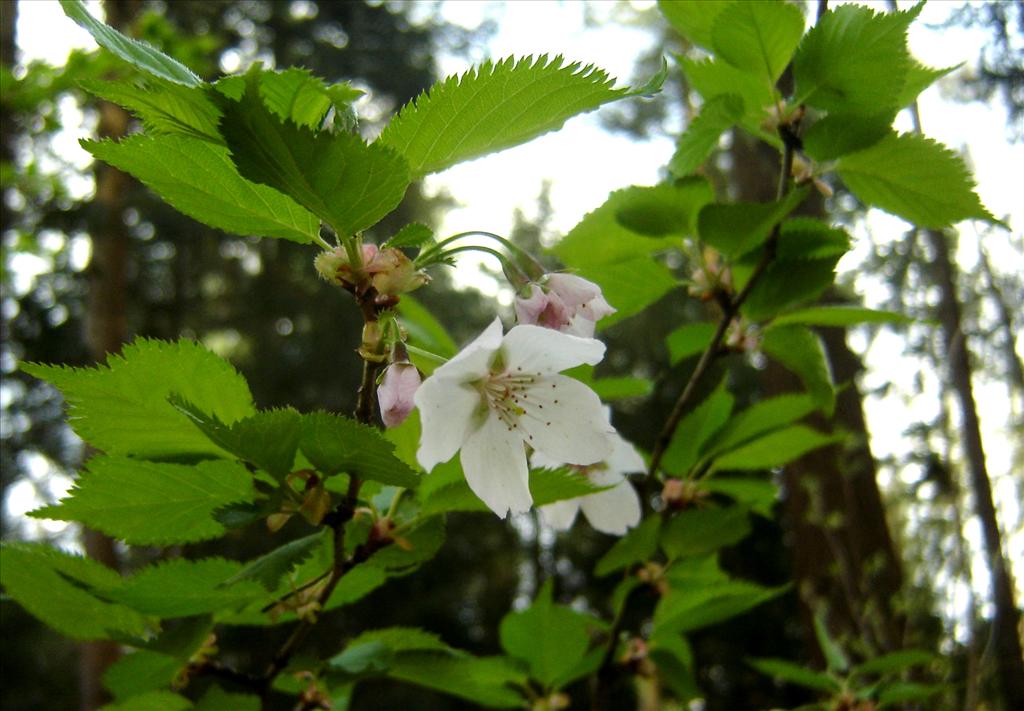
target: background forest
<point>888,529</point>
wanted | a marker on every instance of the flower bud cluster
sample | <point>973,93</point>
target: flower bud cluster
<point>388,271</point>
<point>712,278</point>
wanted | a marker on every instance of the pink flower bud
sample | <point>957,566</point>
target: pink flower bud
<point>396,391</point>
<point>567,303</point>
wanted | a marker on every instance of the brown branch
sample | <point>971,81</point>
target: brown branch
<point>730,307</point>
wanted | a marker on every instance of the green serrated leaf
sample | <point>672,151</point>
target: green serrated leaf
<point>687,608</point>
<point>268,440</point>
<point>607,235</point>
<point>854,60</point>
<point>151,701</point>
<point>198,178</point>
<point>736,228</point>
<point>152,503</point>
<point>919,78</point>
<point>550,485</point>
<point>758,495</point>
<point>896,661</point>
<point>689,340</point>
<point>138,54</point>
<point>637,545</point>
<point>181,588</point>
<point>714,77</point>
<point>375,650</point>
<point>347,183</point>
<point>775,449</point>
<point>759,418</point>
<point>795,674</point>
<point>839,316</point>
<point>696,532</point>
<point>425,331</point>
<point>837,134</point>
<point>163,106</point>
<point>717,115</point>
<point>613,388</point>
<point>333,444</point>
<point>54,587</point>
<point>902,692</point>
<point>415,234</point>
<point>139,672</point>
<point>694,20</point>
<point>915,178</point>
<point>758,37</point>
<point>216,699</point>
<point>550,638</point>
<point>268,569</point>
<point>493,107</point>
<point>695,429</point>
<point>801,352</point>
<point>484,681</point>
<point>296,95</point>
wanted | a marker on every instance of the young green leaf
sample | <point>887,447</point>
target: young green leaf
<point>268,569</point>
<point>613,388</point>
<point>775,448</point>
<point>152,701</point>
<point>55,587</point>
<point>801,352</point>
<point>198,178</point>
<point>139,672</point>
<point>163,106</point>
<point>735,228</point>
<point>483,681</point>
<point>333,444</point>
<point>717,115</point>
<point>493,107</point>
<point>151,503</point>
<point>695,429</point>
<point>759,495</point>
<point>694,20</point>
<point>759,418</point>
<point>700,531</point>
<point>630,285</point>
<point>550,485</point>
<point>182,588</point>
<point>758,37</point>
<point>837,134</point>
<point>267,440</point>
<point>637,545</point>
<point>689,340</point>
<point>714,77</point>
<point>687,608</point>
<point>414,234</point>
<point>854,60</point>
<point>122,407</point>
<point>919,78</point>
<point>896,662</point>
<point>295,94</point>
<point>839,316</point>
<point>795,674</point>
<point>550,638</point>
<point>347,183</point>
<point>915,178</point>
<point>139,54</point>
<point>376,649</point>
<point>835,658</point>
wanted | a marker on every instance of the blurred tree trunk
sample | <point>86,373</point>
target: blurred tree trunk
<point>842,553</point>
<point>1006,640</point>
<point>8,55</point>
<point>106,328</point>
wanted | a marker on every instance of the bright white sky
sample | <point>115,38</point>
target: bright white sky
<point>584,164</point>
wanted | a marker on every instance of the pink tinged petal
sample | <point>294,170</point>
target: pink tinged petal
<point>613,511</point>
<point>474,361</point>
<point>532,349</point>
<point>448,415</point>
<point>529,309</point>
<point>573,290</point>
<point>564,419</point>
<point>396,392</point>
<point>494,462</point>
<point>561,514</point>
<point>596,309</point>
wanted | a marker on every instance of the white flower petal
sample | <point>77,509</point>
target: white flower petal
<point>532,349</point>
<point>473,361</point>
<point>613,511</point>
<point>565,420</point>
<point>581,326</point>
<point>624,458</point>
<point>494,462</point>
<point>574,290</point>
<point>560,514</point>
<point>448,414</point>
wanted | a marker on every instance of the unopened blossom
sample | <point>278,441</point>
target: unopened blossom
<point>395,393</point>
<point>613,510</point>
<point>388,270</point>
<point>502,394</point>
<point>564,302</point>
